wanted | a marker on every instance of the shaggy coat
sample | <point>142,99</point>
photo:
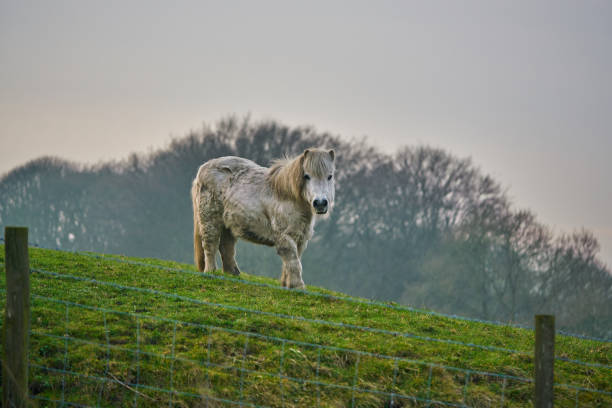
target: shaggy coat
<point>277,206</point>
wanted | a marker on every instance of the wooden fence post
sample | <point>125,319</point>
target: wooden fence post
<point>544,360</point>
<point>16,318</point>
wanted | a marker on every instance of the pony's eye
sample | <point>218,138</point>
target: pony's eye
<point>329,177</point>
<point>306,177</point>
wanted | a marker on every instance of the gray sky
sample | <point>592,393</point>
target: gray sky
<point>523,87</point>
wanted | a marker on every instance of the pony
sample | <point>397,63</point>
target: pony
<point>277,206</point>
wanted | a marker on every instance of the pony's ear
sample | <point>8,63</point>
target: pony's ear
<point>332,154</point>
<point>305,152</point>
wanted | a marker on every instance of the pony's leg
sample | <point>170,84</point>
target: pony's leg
<point>211,223</point>
<point>301,246</point>
<point>210,235</point>
<point>283,278</point>
<point>285,273</point>
<point>228,251</point>
<point>291,275</point>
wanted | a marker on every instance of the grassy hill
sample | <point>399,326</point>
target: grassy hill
<point>117,331</point>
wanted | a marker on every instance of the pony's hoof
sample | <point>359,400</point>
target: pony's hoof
<point>234,271</point>
<point>297,285</point>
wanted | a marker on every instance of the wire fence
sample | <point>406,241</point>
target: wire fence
<point>306,319</point>
<point>91,356</point>
<point>234,355</point>
<point>306,292</point>
<point>279,370</point>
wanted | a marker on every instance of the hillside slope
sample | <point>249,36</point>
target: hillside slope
<point>116,331</point>
<point>408,226</point>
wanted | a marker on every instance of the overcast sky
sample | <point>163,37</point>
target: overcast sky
<point>522,87</point>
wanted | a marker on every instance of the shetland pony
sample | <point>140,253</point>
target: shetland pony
<point>277,206</point>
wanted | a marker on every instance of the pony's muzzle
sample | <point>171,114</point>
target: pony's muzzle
<point>320,205</point>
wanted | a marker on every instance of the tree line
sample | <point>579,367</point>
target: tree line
<point>420,227</point>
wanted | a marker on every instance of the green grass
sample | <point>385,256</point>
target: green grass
<point>427,370</point>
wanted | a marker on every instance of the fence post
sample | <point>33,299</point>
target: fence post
<point>16,318</point>
<point>544,360</point>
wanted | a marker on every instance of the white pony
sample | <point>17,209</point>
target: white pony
<point>277,206</point>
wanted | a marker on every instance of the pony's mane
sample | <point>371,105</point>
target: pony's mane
<point>286,175</point>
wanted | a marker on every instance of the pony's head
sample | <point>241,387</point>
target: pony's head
<point>307,178</point>
<point>319,184</point>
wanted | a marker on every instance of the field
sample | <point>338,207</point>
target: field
<point>115,331</point>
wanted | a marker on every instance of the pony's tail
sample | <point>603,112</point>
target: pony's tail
<point>198,249</point>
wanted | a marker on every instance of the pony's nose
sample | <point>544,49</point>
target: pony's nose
<point>320,205</point>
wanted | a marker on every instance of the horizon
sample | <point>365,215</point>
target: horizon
<point>521,88</point>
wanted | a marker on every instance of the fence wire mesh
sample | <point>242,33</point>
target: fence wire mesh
<point>89,356</point>
<point>117,356</point>
<point>121,351</point>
